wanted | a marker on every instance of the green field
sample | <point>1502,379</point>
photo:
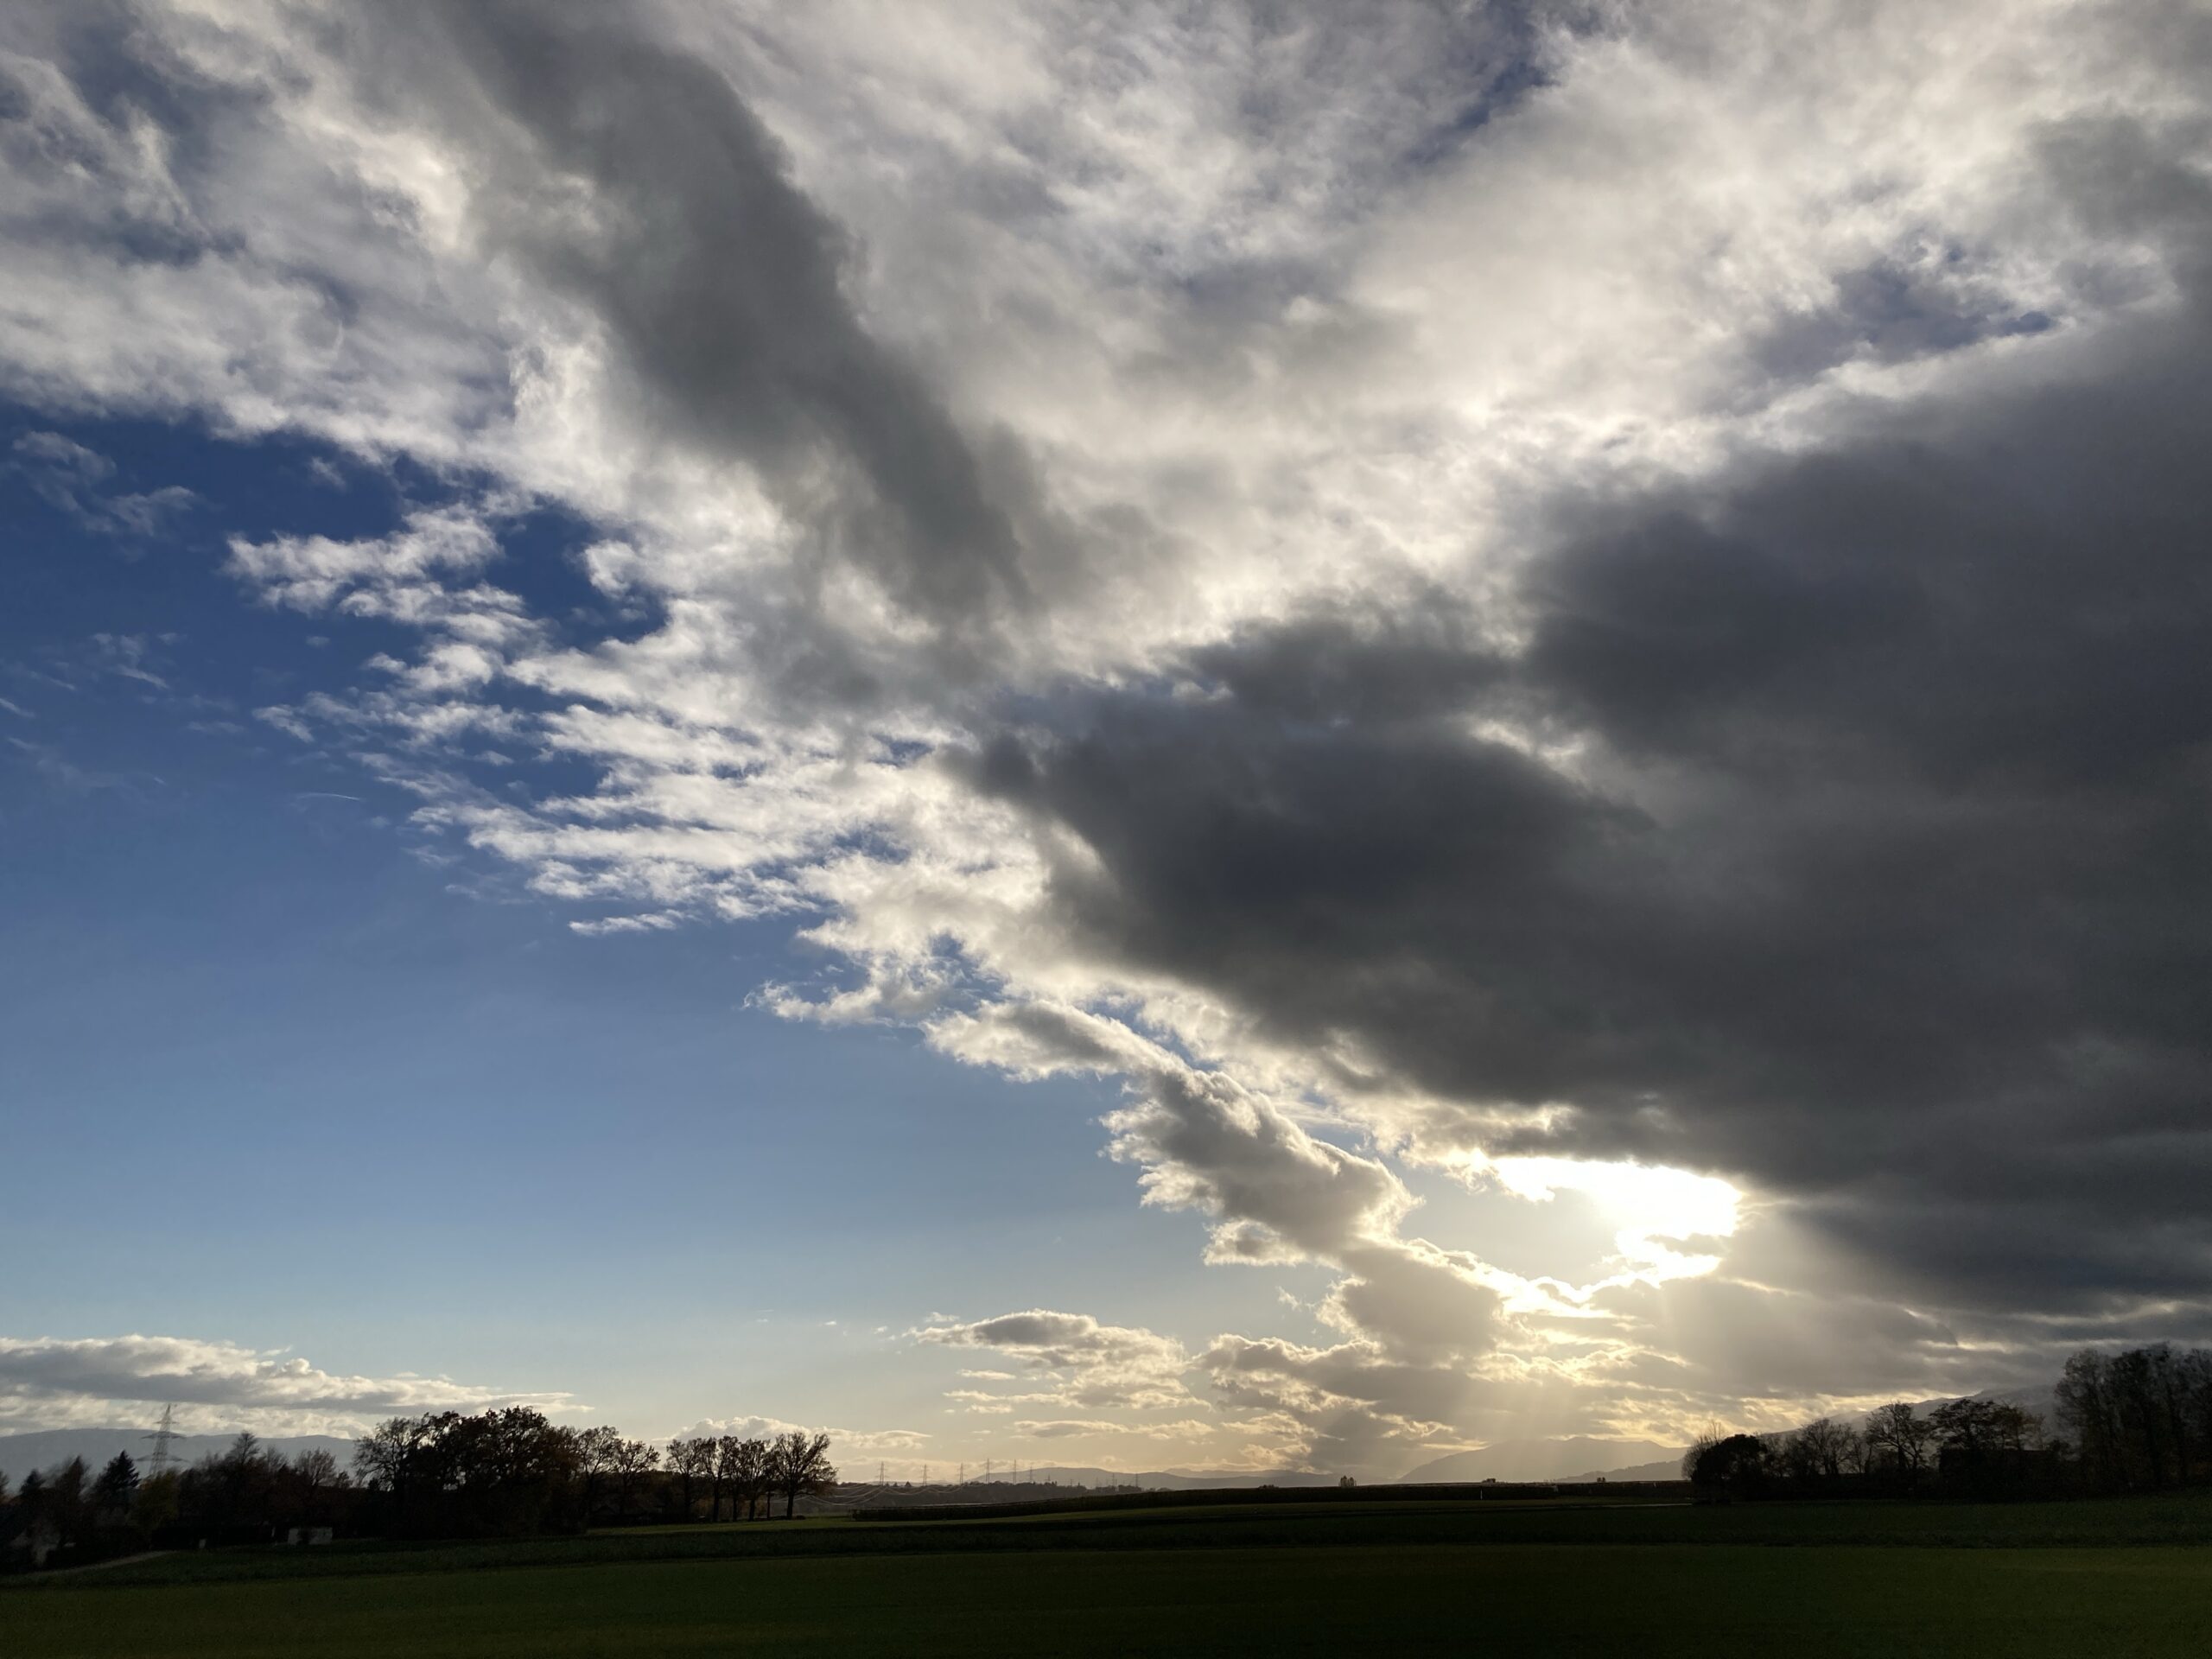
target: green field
<point>1809,1580</point>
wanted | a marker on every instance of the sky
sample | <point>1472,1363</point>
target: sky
<point>1126,736</point>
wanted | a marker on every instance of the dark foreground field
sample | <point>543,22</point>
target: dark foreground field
<point>1420,1578</point>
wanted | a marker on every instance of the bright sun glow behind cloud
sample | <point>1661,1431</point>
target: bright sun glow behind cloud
<point>1653,1209</point>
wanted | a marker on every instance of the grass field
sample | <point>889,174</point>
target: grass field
<point>1857,1579</point>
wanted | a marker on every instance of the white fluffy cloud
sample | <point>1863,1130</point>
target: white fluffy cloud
<point>1078,1361</point>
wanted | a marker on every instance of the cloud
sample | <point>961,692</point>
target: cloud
<point>844,1442</point>
<point>1831,716</point>
<point>55,1383</point>
<point>127,657</point>
<point>1206,1143</point>
<point>1062,1428</point>
<point>1347,1408</point>
<point>64,456</point>
<point>1090,1363</point>
<point>719,285</point>
<point>68,475</point>
<point>399,576</point>
<point>1564,592</point>
<point>656,921</point>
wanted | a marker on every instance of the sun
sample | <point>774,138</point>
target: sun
<point>1653,1208</point>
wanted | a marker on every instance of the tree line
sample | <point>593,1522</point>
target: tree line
<point>245,1493</point>
<point>511,1470</point>
<point>2136,1421</point>
<point>506,1473</point>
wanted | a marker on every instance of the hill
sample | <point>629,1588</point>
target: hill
<point>1178,1480</point>
<point>1665,1469</point>
<point>1578,1458</point>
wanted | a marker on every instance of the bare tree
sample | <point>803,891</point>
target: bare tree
<point>2139,1417</point>
<point>1967,1427</point>
<point>801,1463</point>
<point>1822,1450</point>
<point>1901,1434</point>
<point>317,1470</point>
<point>689,1460</point>
<point>387,1456</point>
<point>597,1451</point>
<point>631,1459</point>
<point>717,1474</point>
<point>741,1465</point>
<point>755,1475</point>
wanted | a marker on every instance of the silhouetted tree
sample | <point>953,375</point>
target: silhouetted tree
<point>2091,1414</point>
<point>68,1500</point>
<point>31,1499</point>
<point>500,1472</point>
<point>1899,1435</point>
<point>2141,1417</point>
<point>2139,1393</point>
<point>1734,1467</point>
<point>800,1462</point>
<point>154,1505</point>
<point>2193,1376</point>
<point>112,1491</point>
<point>231,1497</point>
<point>385,1457</point>
<point>597,1451</point>
<point>691,1460</point>
<point>313,1488</point>
<point>746,1465</point>
<point>1708,1437</point>
<point>718,1476</point>
<point>631,1459</point>
<point>1965,1426</point>
<point>1822,1451</point>
<point>317,1469</point>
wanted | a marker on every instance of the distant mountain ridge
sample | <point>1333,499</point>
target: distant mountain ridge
<point>1665,1469</point>
<point>1177,1480</point>
<point>43,1448</point>
<point>1566,1460</point>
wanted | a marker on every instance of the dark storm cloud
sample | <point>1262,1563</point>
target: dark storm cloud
<point>722,284</point>
<point>1887,881</point>
<point>1367,663</point>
